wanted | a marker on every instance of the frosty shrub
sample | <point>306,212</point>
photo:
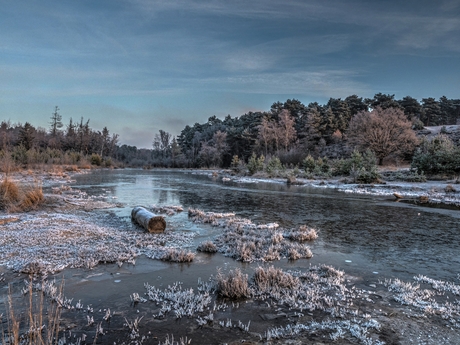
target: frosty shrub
<point>303,233</point>
<point>438,156</point>
<point>255,164</point>
<point>274,166</point>
<point>17,198</point>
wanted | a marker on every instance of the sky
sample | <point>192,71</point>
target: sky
<point>138,66</point>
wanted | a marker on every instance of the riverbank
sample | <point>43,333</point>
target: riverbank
<point>320,305</point>
<point>431,192</point>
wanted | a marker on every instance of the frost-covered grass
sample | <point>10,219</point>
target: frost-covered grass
<point>434,301</point>
<point>233,285</point>
<point>207,247</point>
<point>49,242</point>
<point>319,289</point>
<point>168,209</point>
<point>177,255</point>
<point>246,241</point>
<point>434,194</point>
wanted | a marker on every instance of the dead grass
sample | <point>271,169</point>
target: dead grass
<point>302,234</point>
<point>271,277</point>
<point>450,189</point>
<point>207,247</point>
<point>20,198</point>
<point>234,285</point>
<point>38,326</point>
<point>178,255</point>
<point>71,168</point>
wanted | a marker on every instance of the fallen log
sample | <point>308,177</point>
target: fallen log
<point>149,221</point>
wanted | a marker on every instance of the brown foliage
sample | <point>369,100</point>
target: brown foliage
<point>273,134</point>
<point>234,285</point>
<point>16,198</point>
<point>384,131</point>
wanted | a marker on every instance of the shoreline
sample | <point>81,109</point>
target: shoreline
<point>438,192</point>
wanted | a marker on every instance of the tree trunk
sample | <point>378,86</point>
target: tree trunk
<point>149,221</point>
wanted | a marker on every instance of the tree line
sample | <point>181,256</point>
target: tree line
<point>289,131</point>
<point>292,130</point>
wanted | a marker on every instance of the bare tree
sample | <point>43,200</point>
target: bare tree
<point>286,130</point>
<point>162,142</point>
<point>221,147</point>
<point>266,133</point>
<point>384,131</point>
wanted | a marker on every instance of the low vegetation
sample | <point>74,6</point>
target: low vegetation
<point>246,241</point>
<point>177,255</point>
<point>40,324</point>
<point>207,247</point>
<point>18,198</point>
<point>437,156</point>
<point>233,285</point>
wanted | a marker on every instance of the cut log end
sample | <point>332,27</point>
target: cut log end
<point>149,221</point>
<point>157,224</point>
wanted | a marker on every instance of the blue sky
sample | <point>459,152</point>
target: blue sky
<point>137,66</point>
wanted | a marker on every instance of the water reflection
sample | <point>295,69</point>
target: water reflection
<point>373,233</point>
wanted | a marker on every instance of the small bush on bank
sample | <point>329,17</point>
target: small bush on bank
<point>274,167</point>
<point>361,167</point>
<point>96,159</point>
<point>308,164</point>
<point>238,166</point>
<point>255,164</point>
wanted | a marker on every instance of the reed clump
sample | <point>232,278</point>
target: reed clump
<point>271,277</point>
<point>39,325</point>
<point>178,255</point>
<point>234,285</point>
<point>207,247</point>
<point>302,233</point>
<point>19,198</point>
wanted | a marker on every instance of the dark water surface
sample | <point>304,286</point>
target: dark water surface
<point>366,236</point>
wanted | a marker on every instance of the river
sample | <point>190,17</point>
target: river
<point>361,234</point>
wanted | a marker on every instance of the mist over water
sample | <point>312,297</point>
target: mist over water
<point>361,234</point>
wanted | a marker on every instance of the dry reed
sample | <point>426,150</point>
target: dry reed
<point>38,326</point>
<point>178,255</point>
<point>207,247</point>
<point>19,198</point>
<point>234,285</point>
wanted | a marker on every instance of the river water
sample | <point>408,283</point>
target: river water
<point>363,235</point>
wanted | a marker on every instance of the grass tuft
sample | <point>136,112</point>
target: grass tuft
<point>207,247</point>
<point>178,255</point>
<point>17,198</point>
<point>234,285</point>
